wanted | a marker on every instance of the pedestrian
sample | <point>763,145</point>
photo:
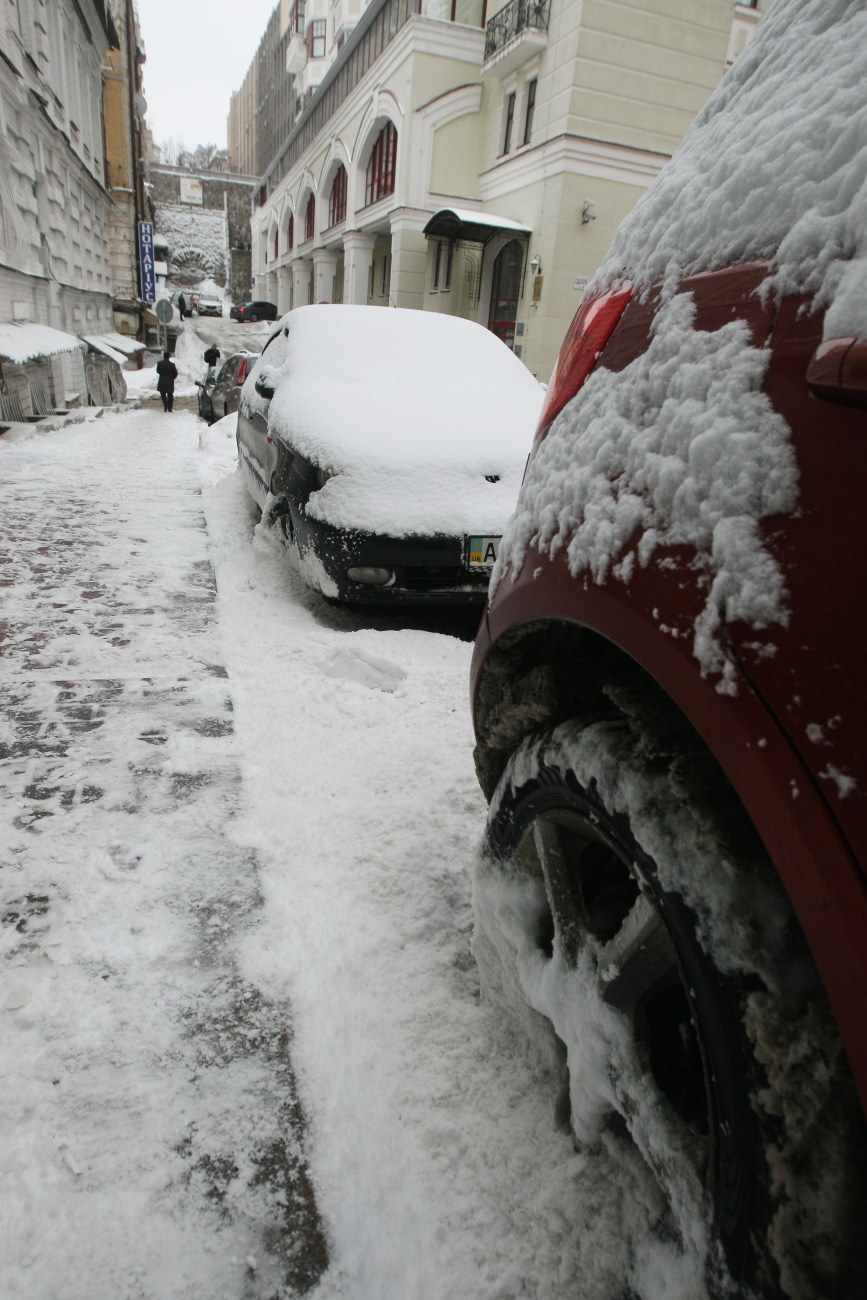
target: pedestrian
<point>168,373</point>
<point>182,305</point>
<point>212,356</point>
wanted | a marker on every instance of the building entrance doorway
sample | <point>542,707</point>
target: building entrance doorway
<point>506,291</point>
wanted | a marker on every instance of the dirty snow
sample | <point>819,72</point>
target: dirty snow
<point>243,1051</point>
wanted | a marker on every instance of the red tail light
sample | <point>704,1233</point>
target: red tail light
<point>588,334</point>
<point>242,374</point>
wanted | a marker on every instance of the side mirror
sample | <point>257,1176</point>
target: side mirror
<point>263,388</point>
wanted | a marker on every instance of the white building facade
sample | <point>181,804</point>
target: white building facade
<point>54,203</point>
<point>454,160</point>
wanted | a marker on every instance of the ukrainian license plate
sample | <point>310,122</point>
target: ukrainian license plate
<point>482,552</point>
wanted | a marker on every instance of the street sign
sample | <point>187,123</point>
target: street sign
<point>146,261</point>
<point>164,310</point>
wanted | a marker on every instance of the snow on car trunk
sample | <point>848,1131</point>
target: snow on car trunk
<point>423,421</point>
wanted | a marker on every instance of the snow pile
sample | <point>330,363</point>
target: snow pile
<point>423,420</point>
<point>774,167</point>
<point>681,447</point>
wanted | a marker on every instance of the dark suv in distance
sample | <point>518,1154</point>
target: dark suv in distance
<point>668,692</point>
<point>253,311</point>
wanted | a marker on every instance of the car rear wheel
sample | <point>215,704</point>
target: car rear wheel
<point>252,317</point>
<point>647,929</point>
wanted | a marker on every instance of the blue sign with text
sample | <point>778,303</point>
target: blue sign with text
<point>146,261</point>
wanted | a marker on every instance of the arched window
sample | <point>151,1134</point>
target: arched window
<point>290,234</point>
<point>379,180</point>
<point>309,217</point>
<point>337,202</point>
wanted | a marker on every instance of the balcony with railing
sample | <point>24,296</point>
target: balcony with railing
<point>514,34</point>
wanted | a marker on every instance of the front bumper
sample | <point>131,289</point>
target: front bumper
<point>425,570</point>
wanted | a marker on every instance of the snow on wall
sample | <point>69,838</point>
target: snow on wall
<point>193,230</point>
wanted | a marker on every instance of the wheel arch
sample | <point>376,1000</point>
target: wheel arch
<point>736,762</point>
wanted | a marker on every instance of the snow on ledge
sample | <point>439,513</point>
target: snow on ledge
<point>24,342</point>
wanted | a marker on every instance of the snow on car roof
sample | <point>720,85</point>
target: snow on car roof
<point>774,167</point>
<point>683,446</point>
<point>412,409</point>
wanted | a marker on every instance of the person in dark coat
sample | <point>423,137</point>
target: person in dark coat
<point>212,356</point>
<point>182,305</point>
<point>168,373</point>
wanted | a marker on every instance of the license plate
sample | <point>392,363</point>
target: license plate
<point>482,552</point>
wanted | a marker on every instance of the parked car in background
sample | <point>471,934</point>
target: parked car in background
<point>206,387</point>
<point>224,393</point>
<point>668,684</point>
<point>253,311</point>
<point>389,445</point>
<point>208,304</point>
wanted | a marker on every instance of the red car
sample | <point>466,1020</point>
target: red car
<point>668,687</point>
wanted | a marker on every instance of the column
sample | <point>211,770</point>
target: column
<point>284,290</point>
<point>324,269</point>
<point>357,260</point>
<point>408,258</point>
<point>300,281</point>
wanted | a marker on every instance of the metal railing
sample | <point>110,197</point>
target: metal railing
<point>515,17</point>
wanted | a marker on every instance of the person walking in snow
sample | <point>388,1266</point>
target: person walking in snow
<point>182,305</point>
<point>212,356</point>
<point>168,373</point>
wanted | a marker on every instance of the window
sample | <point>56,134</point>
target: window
<point>442,276</point>
<point>309,218</point>
<point>529,110</point>
<point>276,244</point>
<point>290,234</point>
<point>379,179</point>
<point>296,18</point>
<point>337,203</point>
<point>316,39</point>
<point>509,122</point>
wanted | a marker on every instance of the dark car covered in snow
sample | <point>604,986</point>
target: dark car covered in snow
<point>389,446</point>
<point>668,691</point>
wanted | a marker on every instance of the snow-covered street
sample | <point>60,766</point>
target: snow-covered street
<point>243,1051</point>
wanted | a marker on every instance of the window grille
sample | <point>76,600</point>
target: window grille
<point>316,39</point>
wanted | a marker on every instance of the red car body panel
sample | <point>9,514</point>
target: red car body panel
<point>792,738</point>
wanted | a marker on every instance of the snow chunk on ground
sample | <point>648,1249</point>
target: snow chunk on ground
<point>682,447</point>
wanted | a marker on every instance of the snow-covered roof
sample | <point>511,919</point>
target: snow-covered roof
<point>122,342</point>
<point>462,223</point>
<point>100,344</point>
<point>773,168</point>
<point>24,342</point>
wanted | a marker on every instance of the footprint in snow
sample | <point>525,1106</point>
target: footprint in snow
<point>366,669</point>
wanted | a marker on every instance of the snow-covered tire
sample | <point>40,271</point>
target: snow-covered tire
<point>648,929</point>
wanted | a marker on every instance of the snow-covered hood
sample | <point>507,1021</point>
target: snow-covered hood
<point>424,421</point>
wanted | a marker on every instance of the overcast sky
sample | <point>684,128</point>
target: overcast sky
<point>198,52</point>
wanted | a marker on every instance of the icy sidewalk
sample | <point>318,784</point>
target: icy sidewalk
<point>152,1139</point>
